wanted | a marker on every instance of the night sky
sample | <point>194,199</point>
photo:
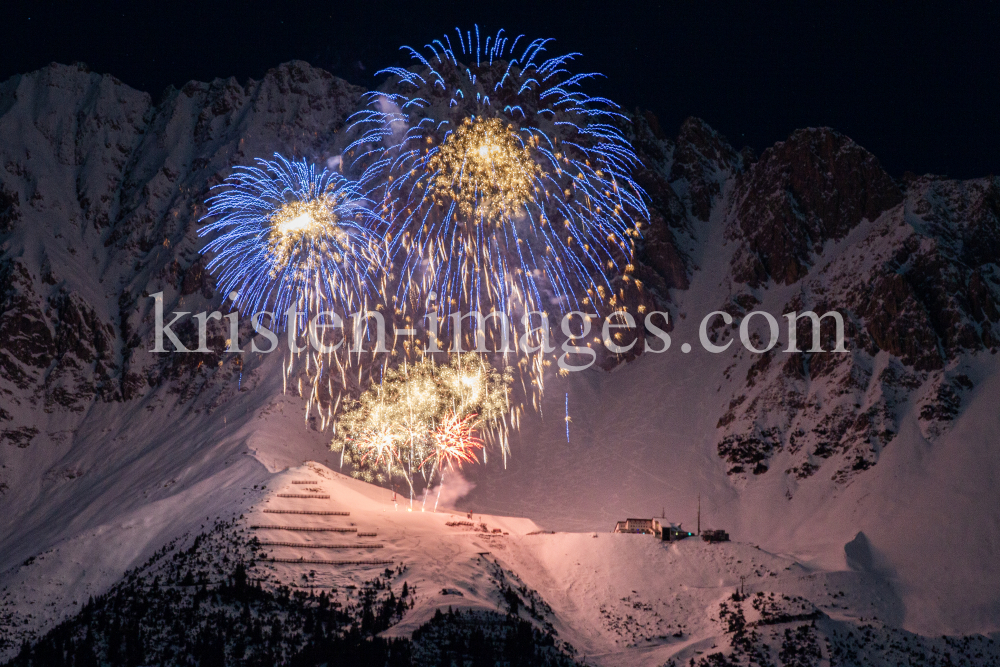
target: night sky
<point>916,83</point>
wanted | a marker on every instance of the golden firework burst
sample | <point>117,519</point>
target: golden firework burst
<point>394,429</point>
<point>306,231</point>
<point>485,168</point>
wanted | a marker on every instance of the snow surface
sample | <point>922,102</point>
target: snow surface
<point>618,599</point>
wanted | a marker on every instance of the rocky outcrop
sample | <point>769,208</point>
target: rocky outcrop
<point>919,295</point>
<point>662,263</point>
<point>812,188</point>
<point>10,210</point>
<point>703,161</point>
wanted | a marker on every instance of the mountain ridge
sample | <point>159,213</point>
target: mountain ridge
<point>101,191</point>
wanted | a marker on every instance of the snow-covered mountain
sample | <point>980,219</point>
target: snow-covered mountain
<point>319,563</point>
<point>109,451</point>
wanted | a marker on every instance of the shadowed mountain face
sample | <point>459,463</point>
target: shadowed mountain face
<point>816,224</point>
<point>813,188</point>
<point>101,191</point>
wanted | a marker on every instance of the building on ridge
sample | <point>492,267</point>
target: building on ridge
<point>660,528</point>
<point>636,526</point>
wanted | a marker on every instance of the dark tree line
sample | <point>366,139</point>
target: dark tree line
<point>212,605</point>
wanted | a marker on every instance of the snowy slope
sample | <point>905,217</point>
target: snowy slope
<point>613,599</point>
<point>643,437</point>
<point>616,598</point>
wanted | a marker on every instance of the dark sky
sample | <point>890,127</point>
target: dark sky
<point>916,83</point>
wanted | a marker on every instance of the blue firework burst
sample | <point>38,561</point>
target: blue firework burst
<point>504,185</point>
<point>288,234</point>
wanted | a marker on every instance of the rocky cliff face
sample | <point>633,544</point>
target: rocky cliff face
<point>101,189</point>
<point>813,188</point>
<point>100,194</point>
<point>817,225</point>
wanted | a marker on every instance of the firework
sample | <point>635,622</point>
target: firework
<point>455,441</point>
<point>379,447</point>
<point>504,185</point>
<point>485,170</point>
<point>488,181</point>
<point>424,416</point>
<point>288,234</point>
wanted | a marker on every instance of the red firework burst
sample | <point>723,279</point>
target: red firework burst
<point>455,441</point>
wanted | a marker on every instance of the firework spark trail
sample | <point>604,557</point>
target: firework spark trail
<point>501,170</point>
<point>567,417</point>
<point>437,499</point>
<point>288,234</point>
